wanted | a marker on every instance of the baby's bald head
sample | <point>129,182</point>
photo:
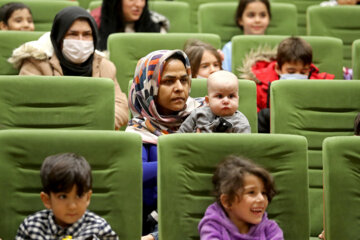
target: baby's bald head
<point>222,78</point>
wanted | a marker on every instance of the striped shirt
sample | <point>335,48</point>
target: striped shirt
<point>42,226</point>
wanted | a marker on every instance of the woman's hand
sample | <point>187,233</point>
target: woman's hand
<point>148,237</point>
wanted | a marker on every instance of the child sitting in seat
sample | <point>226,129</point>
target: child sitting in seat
<point>221,114</point>
<point>293,60</point>
<point>204,58</point>
<point>16,16</point>
<point>67,183</point>
<point>242,191</point>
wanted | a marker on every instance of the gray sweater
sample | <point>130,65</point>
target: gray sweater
<point>203,119</point>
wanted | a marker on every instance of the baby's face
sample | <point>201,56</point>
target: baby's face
<point>223,97</point>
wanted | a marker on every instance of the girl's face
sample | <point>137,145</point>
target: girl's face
<point>208,65</point>
<point>249,207</point>
<point>20,20</point>
<point>132,9</point>
<point>255,19</point>
<point>173,89</point>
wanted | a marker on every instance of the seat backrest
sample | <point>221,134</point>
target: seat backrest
<point>56,102</point>
<point>44,12</point>
<point>247,98</point>
<point>115,159</point>
<point>301,7</point>
<point>283,21</point>
<point>178,14</point>
<point>327,51</point>
<point>186,163</point>
<point>341,159</point>
<point>336,21</point>
<point>9,40</point>
<point>356,59</point>
<point>126,49</point>
<point>315,109</point>
<point>194,9</point>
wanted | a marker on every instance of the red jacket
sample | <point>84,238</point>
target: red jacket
<point>265,73</point>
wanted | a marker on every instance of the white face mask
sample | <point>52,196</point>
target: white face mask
<point>292,76</point>
<point>77,51</point>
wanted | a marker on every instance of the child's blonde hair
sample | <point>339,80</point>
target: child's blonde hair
<point>229,178</point>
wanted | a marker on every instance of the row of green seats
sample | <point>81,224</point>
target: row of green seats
<point>315,109</point>
<point>184,178</point>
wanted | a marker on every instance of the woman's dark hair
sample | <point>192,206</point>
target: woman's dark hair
<point>243,4</point>
<point>112,21</point>
<point>7,10</point>
<point>59,173</point>
<point>357,125</point>
<point>229,178</point>
<point>195,49</point>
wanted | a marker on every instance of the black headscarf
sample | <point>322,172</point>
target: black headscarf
<point>62,22</point>
<point>112,21</point>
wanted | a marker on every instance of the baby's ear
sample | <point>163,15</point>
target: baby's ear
<point>224,199</point>
<point>45,198</point>
<point>207,99</point>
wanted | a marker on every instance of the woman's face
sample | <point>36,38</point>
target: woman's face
<point>255,19</point>
<point>79,30</point>
<point>173,89</point>
<point>20,20</point>
<point>208,65</point>
<point>132,9</point>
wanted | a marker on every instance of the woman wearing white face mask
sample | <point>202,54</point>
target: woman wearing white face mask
<point>71,52</point>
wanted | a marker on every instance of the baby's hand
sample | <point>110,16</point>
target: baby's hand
<point>148,237</point>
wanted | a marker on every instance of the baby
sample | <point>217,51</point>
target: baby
<point>220,114</point>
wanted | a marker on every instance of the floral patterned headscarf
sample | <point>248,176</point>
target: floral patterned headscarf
<point>144,89</point>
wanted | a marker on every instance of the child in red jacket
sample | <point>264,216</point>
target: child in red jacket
<point>293,61</point>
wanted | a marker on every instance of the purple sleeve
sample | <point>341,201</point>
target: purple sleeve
<point>209,230</point>
<point>149,159</point>
<point>273,231</point>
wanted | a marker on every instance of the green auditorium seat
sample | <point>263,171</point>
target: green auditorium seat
<point>341,187</point>
<point>356,59</point>
<point>327,51</point>
<point>315,109</point>
<point>194,8</point>
<point>283,22</point>
<point>115,158</point>
<point>186,164</point>
<point>127,48</point>
<point>56,102</point>
<point>337,21</point>
<point>94,4</point>
<point>178,13</point>
<point>43,12</point>
<point>301,7</point>
<point>9,40</point>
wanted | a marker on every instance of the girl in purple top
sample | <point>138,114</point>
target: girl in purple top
<point>243,191</point>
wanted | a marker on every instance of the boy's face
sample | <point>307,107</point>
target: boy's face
<point>223,98</point>
<point>67,207</point>
<point>293,68</point>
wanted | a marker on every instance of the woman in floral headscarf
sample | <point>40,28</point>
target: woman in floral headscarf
<point>159,102</point>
